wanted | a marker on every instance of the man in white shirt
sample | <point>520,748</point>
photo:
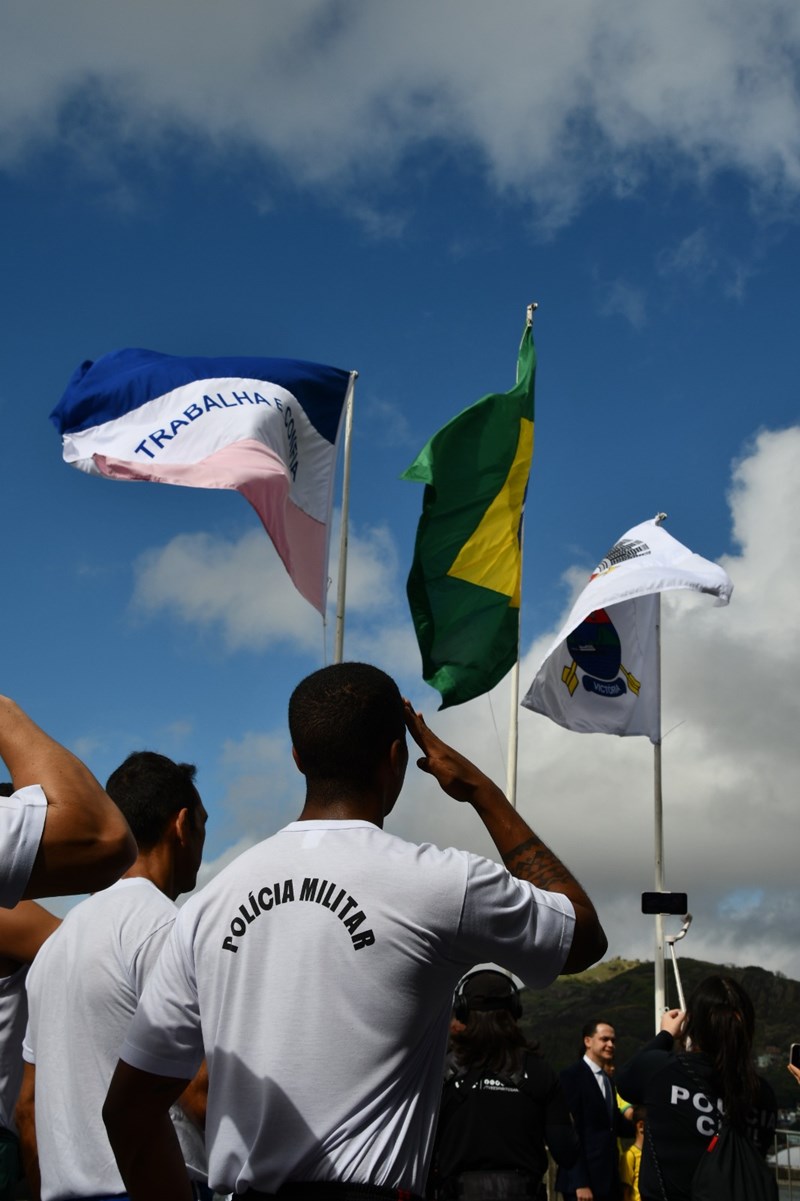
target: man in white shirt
<point>316,972</point>
<point>23,929</point>
<point>96,965</point>
<point>84,844</point>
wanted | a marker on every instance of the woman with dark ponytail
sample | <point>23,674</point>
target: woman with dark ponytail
<point>502,1104</point>
<point>686,1093</point>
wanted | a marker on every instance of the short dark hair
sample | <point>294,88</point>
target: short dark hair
<point>149,788</point>
<point>590,1028</point>
<point>343,719</point>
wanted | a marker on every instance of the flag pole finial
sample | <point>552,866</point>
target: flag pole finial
<point>532,307</point>
<point>660,517</point>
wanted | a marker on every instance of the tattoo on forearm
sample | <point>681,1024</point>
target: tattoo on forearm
<point>532,861</point>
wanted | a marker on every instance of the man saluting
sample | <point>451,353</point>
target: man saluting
<point>316,972</point>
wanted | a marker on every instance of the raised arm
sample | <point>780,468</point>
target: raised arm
<point>522,851</point>
<point>634,1075</point>
<point>86,844</point>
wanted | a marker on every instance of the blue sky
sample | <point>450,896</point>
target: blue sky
<point>384,188</point>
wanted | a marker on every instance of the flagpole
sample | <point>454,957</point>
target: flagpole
<point>513,720</point>
<point>658,821</point>
<point>513,726</point>
<point>338,650</point>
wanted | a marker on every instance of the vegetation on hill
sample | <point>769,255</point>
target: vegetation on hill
<point>621,992</point>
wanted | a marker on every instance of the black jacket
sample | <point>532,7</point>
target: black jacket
<point>490,1121</point>
<point>680,1122</point>
<point>597,1166</point>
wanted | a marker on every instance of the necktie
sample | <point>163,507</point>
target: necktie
<point>606,1083</point>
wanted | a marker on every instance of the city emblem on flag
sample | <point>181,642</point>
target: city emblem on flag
<point>596,649</point>
<point>595,646</point>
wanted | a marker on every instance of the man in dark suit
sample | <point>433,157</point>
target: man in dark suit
<point>592,1098</point>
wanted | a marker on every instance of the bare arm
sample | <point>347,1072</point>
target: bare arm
<point>23,929</point>
<point>136,1114</point>
<point>522,851</point>
<point>86,844</point>
<point>25,1115</point>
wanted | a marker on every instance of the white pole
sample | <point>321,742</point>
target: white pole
<point>660,973</point>
<point>513,735</point>
<point>338,650</point>
<point>658,822</point>
<point>513,718</point>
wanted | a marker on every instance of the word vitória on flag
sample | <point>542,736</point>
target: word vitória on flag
<point>267,428</point>
<point>465,580</point>
<point>601,674</point>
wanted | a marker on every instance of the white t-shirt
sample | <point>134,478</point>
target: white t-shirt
<point>13,1016</point>
<point>21,824</point>
<point>83,987</point>
<point>317,971</point>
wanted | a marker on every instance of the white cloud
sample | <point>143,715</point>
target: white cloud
<point>692,258</point>
<point>211,867</point>
<point>695,260</point>
<point>764,500</point>
<point>86,746</point>
<point>622,299</point>
<point>390,642</point>
<point>731,762</point>
<point>264,787</point>
<point>378,224</point>
<point>241,588</point>
<point>372,567</point>
<point>556,101</point>
<point>385,424</point>
<point>178,731</point>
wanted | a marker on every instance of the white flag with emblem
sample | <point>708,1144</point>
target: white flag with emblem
<point>601,673</point>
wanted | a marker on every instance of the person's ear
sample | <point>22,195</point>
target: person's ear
<point>183,824</point>
<point>391,773</point>
<point>398,757</point>
<point>297,762</point>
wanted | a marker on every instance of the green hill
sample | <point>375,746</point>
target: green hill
<point>621,992</point>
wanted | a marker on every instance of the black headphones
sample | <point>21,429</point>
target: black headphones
<point>501,993</point>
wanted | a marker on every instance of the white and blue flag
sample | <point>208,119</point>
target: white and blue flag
<point>267,428</point>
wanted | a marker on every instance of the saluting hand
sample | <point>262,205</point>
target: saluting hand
<point>456,775</point>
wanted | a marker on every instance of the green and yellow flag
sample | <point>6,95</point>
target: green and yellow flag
<point>465,581</point>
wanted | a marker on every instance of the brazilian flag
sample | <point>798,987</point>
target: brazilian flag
<point>465,581</point>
